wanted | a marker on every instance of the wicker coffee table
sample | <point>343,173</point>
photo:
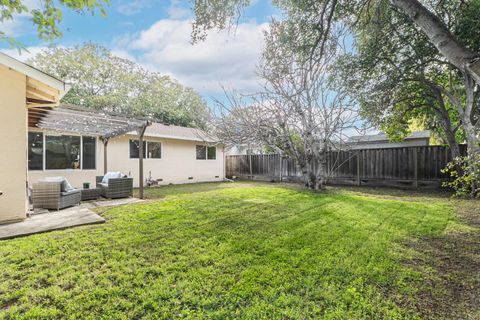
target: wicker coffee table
<point>91,194</point>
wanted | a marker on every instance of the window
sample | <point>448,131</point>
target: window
<point>201,152</point>
<point>154,150</point>
<point>88,152</point>
<point>204,152</point>
<point>35,151</point>
<point>135,149</point>
<point>62,152</point>
<point>212,153</point>
<point>151,150</point>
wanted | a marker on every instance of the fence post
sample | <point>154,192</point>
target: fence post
<point>250,165</point>
<point>359,181</point>
<point>415,166</point>
<point>281,168</point>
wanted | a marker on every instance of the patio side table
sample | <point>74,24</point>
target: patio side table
<point>91,194</point>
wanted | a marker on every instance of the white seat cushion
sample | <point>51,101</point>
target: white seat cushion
<point>66,186</point>
<point>111,175</point>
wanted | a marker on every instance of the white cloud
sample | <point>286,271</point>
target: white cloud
<point>24,54</point>
<point>133,7</point>
<point>122,53</point>
<point>21,22</point>
<point>11,27</point>
<point>227,59</point>
<point>176,11</point>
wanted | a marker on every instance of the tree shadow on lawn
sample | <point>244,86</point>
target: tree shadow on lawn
<point>396,193</point>
<point>450,266</point>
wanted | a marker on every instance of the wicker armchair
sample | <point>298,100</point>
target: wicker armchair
<point>49,195</point>
<point>116,188</point>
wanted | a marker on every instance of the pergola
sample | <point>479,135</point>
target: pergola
<point>74,119</point>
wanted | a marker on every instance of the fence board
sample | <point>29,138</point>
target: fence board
<point>406,167</point>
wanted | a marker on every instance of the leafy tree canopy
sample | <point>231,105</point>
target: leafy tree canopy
<point>102,81</point>
<point>398,76</point>
<point>46,15</point>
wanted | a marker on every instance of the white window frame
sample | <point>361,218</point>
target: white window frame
<point>147,157</point>
<point>44,155</point>
<point>206,152</point>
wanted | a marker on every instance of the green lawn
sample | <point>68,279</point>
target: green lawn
<point>233,250</point>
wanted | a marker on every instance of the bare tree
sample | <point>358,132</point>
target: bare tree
<point>299,111</point>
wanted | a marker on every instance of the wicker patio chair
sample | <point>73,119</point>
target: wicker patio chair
<point>49,195</point>
<point>116,188</point>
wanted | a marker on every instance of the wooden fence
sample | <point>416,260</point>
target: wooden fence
<point>406,167</point>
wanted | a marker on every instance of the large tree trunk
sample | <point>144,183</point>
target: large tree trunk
<point>452,142</point>
<point>446,122</point>
<point>312,179</point>
<point>455,52</point>
<point>473,142</point>
<point>472,135</point>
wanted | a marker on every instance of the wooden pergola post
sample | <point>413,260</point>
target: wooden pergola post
<point>141,133</point>
<point>105,154</point>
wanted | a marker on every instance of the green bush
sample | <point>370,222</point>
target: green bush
<point>465,174</point>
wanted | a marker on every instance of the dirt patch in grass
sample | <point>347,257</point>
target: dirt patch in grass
<point>451,265</point>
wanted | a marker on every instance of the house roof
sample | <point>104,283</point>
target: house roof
<point>381,137</point>
<point>160,130</point>
<point>42,89</point>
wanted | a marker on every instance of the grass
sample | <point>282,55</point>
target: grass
<point>224,251</point>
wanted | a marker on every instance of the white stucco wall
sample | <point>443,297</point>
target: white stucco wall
<point>13,139</point>
<point>177,164</point>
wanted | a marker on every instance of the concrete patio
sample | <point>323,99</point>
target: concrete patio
<point>44,221</point>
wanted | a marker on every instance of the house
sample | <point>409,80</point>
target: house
<point>381,140</point>
<point>21,87</point>
<point>75,146</point>
<point>172,154</point>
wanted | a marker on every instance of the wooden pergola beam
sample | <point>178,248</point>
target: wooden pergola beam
<point>36,92</point>
<point>141,133</point>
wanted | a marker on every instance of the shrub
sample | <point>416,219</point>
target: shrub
<point>465,174</point>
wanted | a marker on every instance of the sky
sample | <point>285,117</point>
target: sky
<point>157,35</point>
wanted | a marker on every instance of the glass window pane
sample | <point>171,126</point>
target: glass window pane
<point>201,152</point>
<point>135,149</point>
<point>212,153</point>
<point>154,150</point>
<point>35,151</point>
<point>89,152</point>
<point>62,152</point>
